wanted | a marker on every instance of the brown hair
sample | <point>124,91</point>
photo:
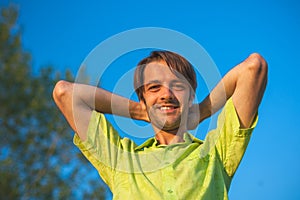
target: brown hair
<point>176,63</point>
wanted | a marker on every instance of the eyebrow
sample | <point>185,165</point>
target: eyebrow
<point>153,82</point>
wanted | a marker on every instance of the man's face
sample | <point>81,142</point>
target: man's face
<point>167,97</point>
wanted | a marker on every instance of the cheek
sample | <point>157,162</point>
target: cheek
<point>149,100</point>
<point>185,99</point>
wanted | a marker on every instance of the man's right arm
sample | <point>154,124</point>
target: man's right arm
<point>77,101</point>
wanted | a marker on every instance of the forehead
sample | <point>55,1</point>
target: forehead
<point>159,71</point>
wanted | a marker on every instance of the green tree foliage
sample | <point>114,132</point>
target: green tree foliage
<point>37,157</point>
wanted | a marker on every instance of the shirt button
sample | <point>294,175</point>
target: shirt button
<point>170,191</point>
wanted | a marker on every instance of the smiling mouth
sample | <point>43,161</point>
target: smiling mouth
<point>167,108</point>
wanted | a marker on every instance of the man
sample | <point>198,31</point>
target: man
<point>173,164</point>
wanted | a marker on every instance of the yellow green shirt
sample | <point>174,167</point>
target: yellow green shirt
<point>190,170</point>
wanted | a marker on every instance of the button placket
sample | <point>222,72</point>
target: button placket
<point>169,177</point>
<point>169,181</point>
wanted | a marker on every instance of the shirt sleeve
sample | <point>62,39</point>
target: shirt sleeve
<point>232,140</point>
<point>101,146</point>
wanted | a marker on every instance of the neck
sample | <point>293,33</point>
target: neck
<point>169,137</point>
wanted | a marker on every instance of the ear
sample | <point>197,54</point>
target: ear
<point>142,101</point>
<point>144,111</point>
<point>191,99</point>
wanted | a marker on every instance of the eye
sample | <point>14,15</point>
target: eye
<point>179,86</point>
<point>154,88</point>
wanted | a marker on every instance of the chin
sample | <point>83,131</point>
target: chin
<point>167,126</point>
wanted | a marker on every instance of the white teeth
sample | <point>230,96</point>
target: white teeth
<point>165,108</point>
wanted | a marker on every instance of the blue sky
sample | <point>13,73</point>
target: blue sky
<point>62,33</point>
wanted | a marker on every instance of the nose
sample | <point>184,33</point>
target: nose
<point>166,93</point>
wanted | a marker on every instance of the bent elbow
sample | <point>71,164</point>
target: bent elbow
<point>257,66</point>
<point>61,91</point>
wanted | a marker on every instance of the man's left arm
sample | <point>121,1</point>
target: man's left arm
<point>245,83</point>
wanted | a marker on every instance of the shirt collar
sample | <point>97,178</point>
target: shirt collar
<point>152,142</point>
